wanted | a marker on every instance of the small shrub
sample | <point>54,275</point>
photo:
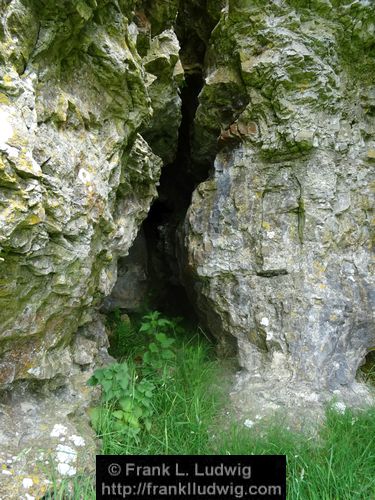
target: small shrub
<point>127,401</point>
<point>128,389</point>
<point>159,356</point>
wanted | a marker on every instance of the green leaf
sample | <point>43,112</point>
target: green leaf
<point>161,337</point>
<point>119,414</point>
<point>152,316</point>
<point>92,380</point>
<point>146,357</point>
<point>167,354</point>
<point>126,404</point>
<point>148,424</point>
<point>119,426</point>
<point>133,421</point>
<point>164,340</point>
<point>124,383</point>
<point>106,384</point>
<point>108,374</point>
<point>99,374</point>
<point>153,347</point>
<point>137,412</point>
<point>145,327</point>
<point>164,322</point>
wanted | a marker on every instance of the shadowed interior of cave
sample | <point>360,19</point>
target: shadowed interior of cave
<point>367,368</point>
<point>163,224</point>
<point>150,276</point>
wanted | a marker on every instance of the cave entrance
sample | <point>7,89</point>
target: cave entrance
<point>149,277</point>
<point>163,226</point>
<point>367,369</point>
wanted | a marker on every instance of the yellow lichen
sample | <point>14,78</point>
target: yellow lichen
<point>319,268</point>
<point>7,79</point>
<point>3,99</point>
<point>62,108</point>
<point>18,140</point>
<point>33,219</point>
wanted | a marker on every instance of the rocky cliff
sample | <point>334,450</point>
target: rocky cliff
<point>268,182</point>
<point>80,82</point>
<point>279,238</point>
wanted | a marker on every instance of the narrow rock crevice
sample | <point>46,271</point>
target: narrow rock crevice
<point>177,183</point>
<point>149,277</point>
<point>163,226</point>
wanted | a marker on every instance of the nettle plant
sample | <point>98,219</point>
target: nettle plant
<point>160,355</point>
<point>128,389</point>
<point>127,399</point>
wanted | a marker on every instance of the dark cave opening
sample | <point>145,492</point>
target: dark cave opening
<point>366,370</point>
<point>150,277</point>
<point>164,221</point>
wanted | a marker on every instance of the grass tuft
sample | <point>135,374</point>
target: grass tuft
<point>187,404</point>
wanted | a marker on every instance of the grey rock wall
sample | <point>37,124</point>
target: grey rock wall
<point>277,241</point>
<point>80,82</point>
<point>280,237</point>
<point>76,178</point>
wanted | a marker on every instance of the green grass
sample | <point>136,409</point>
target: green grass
<point>188,419</point>
<point>185,407</point>
<point>338,466</point>
<point>82,488</point>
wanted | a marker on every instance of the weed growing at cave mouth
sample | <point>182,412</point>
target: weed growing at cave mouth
<point>159,356</point>
<point>128,387</point>
<point>186,405</point>
<point>180,403</point>
<point>127,401</point>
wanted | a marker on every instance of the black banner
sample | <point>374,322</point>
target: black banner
<point>187,477</point>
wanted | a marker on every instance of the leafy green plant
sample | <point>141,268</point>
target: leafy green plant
<point>192,419</point>
<point>128,389</point>
<point>160,354</point>
<point>135,409</point>
<point>114,379</point>
<point>127,401</point>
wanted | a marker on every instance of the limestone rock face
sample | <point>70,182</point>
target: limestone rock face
<point>76,178</point>
<point>279,237</point>
<point>277,241</point>
<point>82,83</point>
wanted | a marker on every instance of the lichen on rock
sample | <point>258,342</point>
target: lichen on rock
<point>76,177</point>
<point>276,244</point>
<point>279,237</point>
